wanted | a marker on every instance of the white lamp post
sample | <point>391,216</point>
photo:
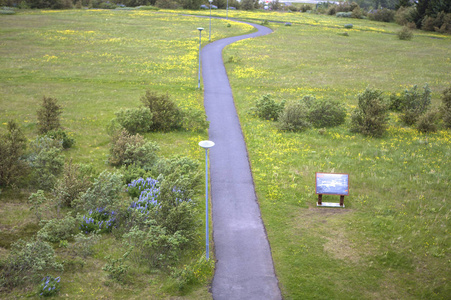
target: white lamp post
<point>200,43</point>
<point>206,145</point>
<point>227,11</point>
<point>209,38</point>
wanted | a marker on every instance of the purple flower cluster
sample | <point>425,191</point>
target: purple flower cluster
<point>148,197</point>
<point>50,286</point>
<point>98,220</point>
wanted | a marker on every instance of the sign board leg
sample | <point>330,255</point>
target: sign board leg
<point>320,199</point>
<point>342,200</point>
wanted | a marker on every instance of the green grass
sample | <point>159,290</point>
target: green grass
<point>96,62</point>
<point>392,239</point>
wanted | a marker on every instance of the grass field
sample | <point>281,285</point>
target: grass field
<point>96,62</point>
<point>392,239</point>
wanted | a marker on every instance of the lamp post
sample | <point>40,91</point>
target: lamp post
<point>200,43</point>
<point>227,11</point>
<point>206,145</point>
<point>209,38</point>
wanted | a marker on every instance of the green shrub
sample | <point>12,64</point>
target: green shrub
<point>343,14</point>
<point>154,246</point>
<point>440,23</point>
<point>415,103</point>
<point>194,120</point>
<point>83,245</point>
<point>46,162</point>
<point>76,180</point>
<point>370,118</point>
<point>267,108</point>
<point>165,113</point>
<point>395,102</point>
<point>135,120</point>
<point>28,262</point>
<point>305,7</point>
<point>348,26</point>
<point>294,117</point>
<point>446,107</point>
<point>195,273</point>
<point>428,122</point>
<point>382,15</point>
<point>56,230</point>
<point>60,135</point>
<point>116,268</point>
<point>405,15</point>
<point>49,115</point>
<point>12,148</point>
<point>326,113</point>
<point>39,204</point>
<point>132,172</point>
<point>105,193</point>
<point>186,168</point>
<point>405,33</point>
<point>127,149</point>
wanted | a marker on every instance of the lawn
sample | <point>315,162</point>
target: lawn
<point>391,241</point>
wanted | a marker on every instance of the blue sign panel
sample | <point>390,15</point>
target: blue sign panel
<point>332,184</point>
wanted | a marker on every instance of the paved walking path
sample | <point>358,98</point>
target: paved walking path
<point>244,267</point>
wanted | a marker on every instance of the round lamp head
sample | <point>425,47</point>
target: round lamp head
<point>211,1</point>
<point>200,29</point>
<point>206,144</point>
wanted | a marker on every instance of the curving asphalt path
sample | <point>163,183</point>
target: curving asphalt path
<point>244,267</point>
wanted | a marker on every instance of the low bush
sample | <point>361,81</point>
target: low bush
<point>28,262</point>
<point>405,15</point>
<point>405,33</point>
<point>56,230</point>
<point>343,14</point>
<point>75,180</point>
<point>294,117</point>
<point>39,205</point>
<point>49,115</point>
<point>305,7</point>
<point>133,172</point>
<point>165,113</point>
<point>370,118</point>
<point>84,243</point>
<point>135,120</point>
<point>382,15</point>
<point>415,103</point>
<point>194,120</point>
<point>154,246</point>
<point>46,162</point>
<point>127,149</point>
<point>440,23</point>
<point>186,168</point>
<point>428,122</point>
<point>267,108</point>
<point>395,102</point>
<point>12,147</point>
<point>197,272</point>
<point>105,193</point>
<point>61,136</point>
<point>326,113</point>
<point>445,108</point>
<point>116,267</point>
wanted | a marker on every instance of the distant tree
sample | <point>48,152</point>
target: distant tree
<point>49,115</point>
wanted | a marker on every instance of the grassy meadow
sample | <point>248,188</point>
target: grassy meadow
<point>392,239</point>
<point>96,62</point>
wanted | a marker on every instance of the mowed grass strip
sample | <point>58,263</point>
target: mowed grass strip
<point>392,239</point>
